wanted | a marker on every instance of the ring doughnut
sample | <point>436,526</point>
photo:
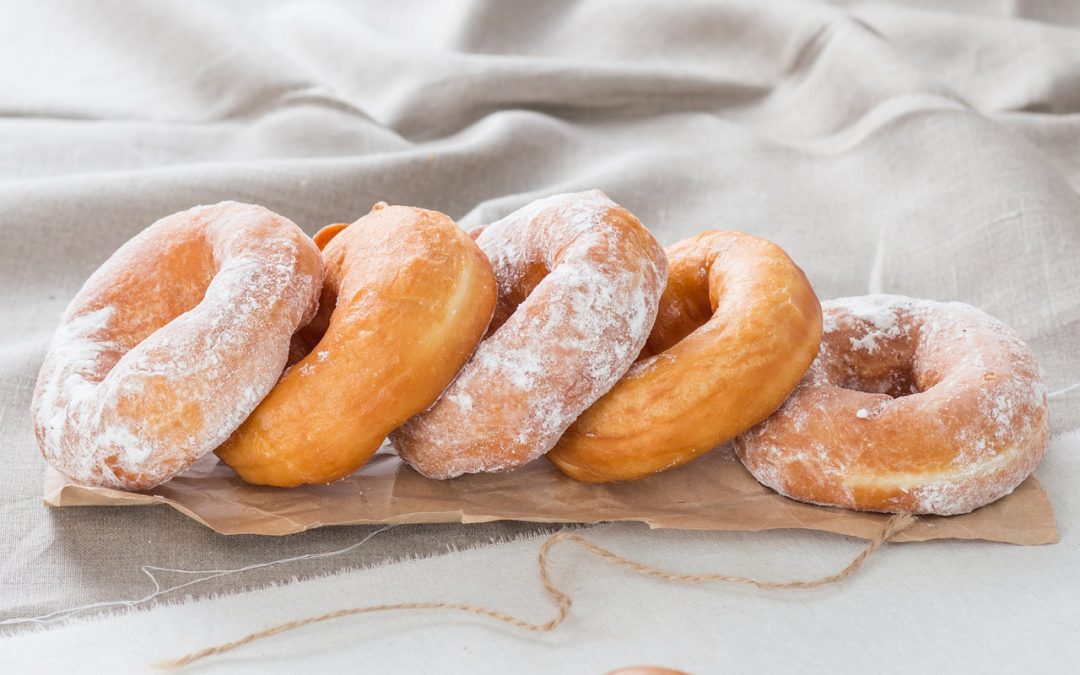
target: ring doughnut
<point>911,406</point>
<point>579,281</point>
<point>737,328</point>
<point>407,297</point>
<point>172,343</point>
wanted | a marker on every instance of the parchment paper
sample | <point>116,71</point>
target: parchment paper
<point>714,492</point>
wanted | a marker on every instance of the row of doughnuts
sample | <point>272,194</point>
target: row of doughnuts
<point>563,329</point>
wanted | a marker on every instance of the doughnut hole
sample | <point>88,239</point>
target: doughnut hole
<point>530,276</point>
<point>909,363</point>
<point>692,295</point>
<point>874,358</point>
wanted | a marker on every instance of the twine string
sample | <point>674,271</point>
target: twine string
<point>560,598</point>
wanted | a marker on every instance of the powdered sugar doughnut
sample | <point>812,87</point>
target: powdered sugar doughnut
<point>172,343</point>
<point>737,328</point>
<point>579,280</point>
<point>911,406</point>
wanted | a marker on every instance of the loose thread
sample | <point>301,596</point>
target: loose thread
<point>149,570</point>
<point>1063,391</point>
<point>559,598</point>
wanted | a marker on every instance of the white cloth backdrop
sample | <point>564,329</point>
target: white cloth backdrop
<point>928,148</point>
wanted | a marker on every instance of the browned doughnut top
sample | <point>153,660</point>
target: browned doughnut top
<point>737,328</point>
<point>407,297</point>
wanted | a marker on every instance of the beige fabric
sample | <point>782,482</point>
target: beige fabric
<point>886,147</point>
<point>934,607</point>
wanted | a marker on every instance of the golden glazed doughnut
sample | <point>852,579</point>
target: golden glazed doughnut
<point>406,299</point>
<point>911,406</point>
<point>579,281</point>
<point>737,328</point>
<point>172,343</point>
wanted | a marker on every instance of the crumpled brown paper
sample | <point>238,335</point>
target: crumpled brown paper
<point>714,492</point>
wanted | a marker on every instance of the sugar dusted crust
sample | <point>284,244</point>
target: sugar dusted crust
<point>172,343</point>
<point>911,406</point>
<point>579,279</point>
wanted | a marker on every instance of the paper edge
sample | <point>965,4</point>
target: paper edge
<point>58,493</point>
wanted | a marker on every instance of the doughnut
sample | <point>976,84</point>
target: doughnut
<point>407,297</point>
<point>912,406</point>
<point>172,343</point>
<point>737,328</point>
<point>579,281</point>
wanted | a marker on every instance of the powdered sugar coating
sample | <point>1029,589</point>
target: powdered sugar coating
<point>553,352</point>
<point>911,406</point>
<point>172,343</point>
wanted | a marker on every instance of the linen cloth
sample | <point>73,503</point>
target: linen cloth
<point>931,607</point>
<point>929,151</point>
